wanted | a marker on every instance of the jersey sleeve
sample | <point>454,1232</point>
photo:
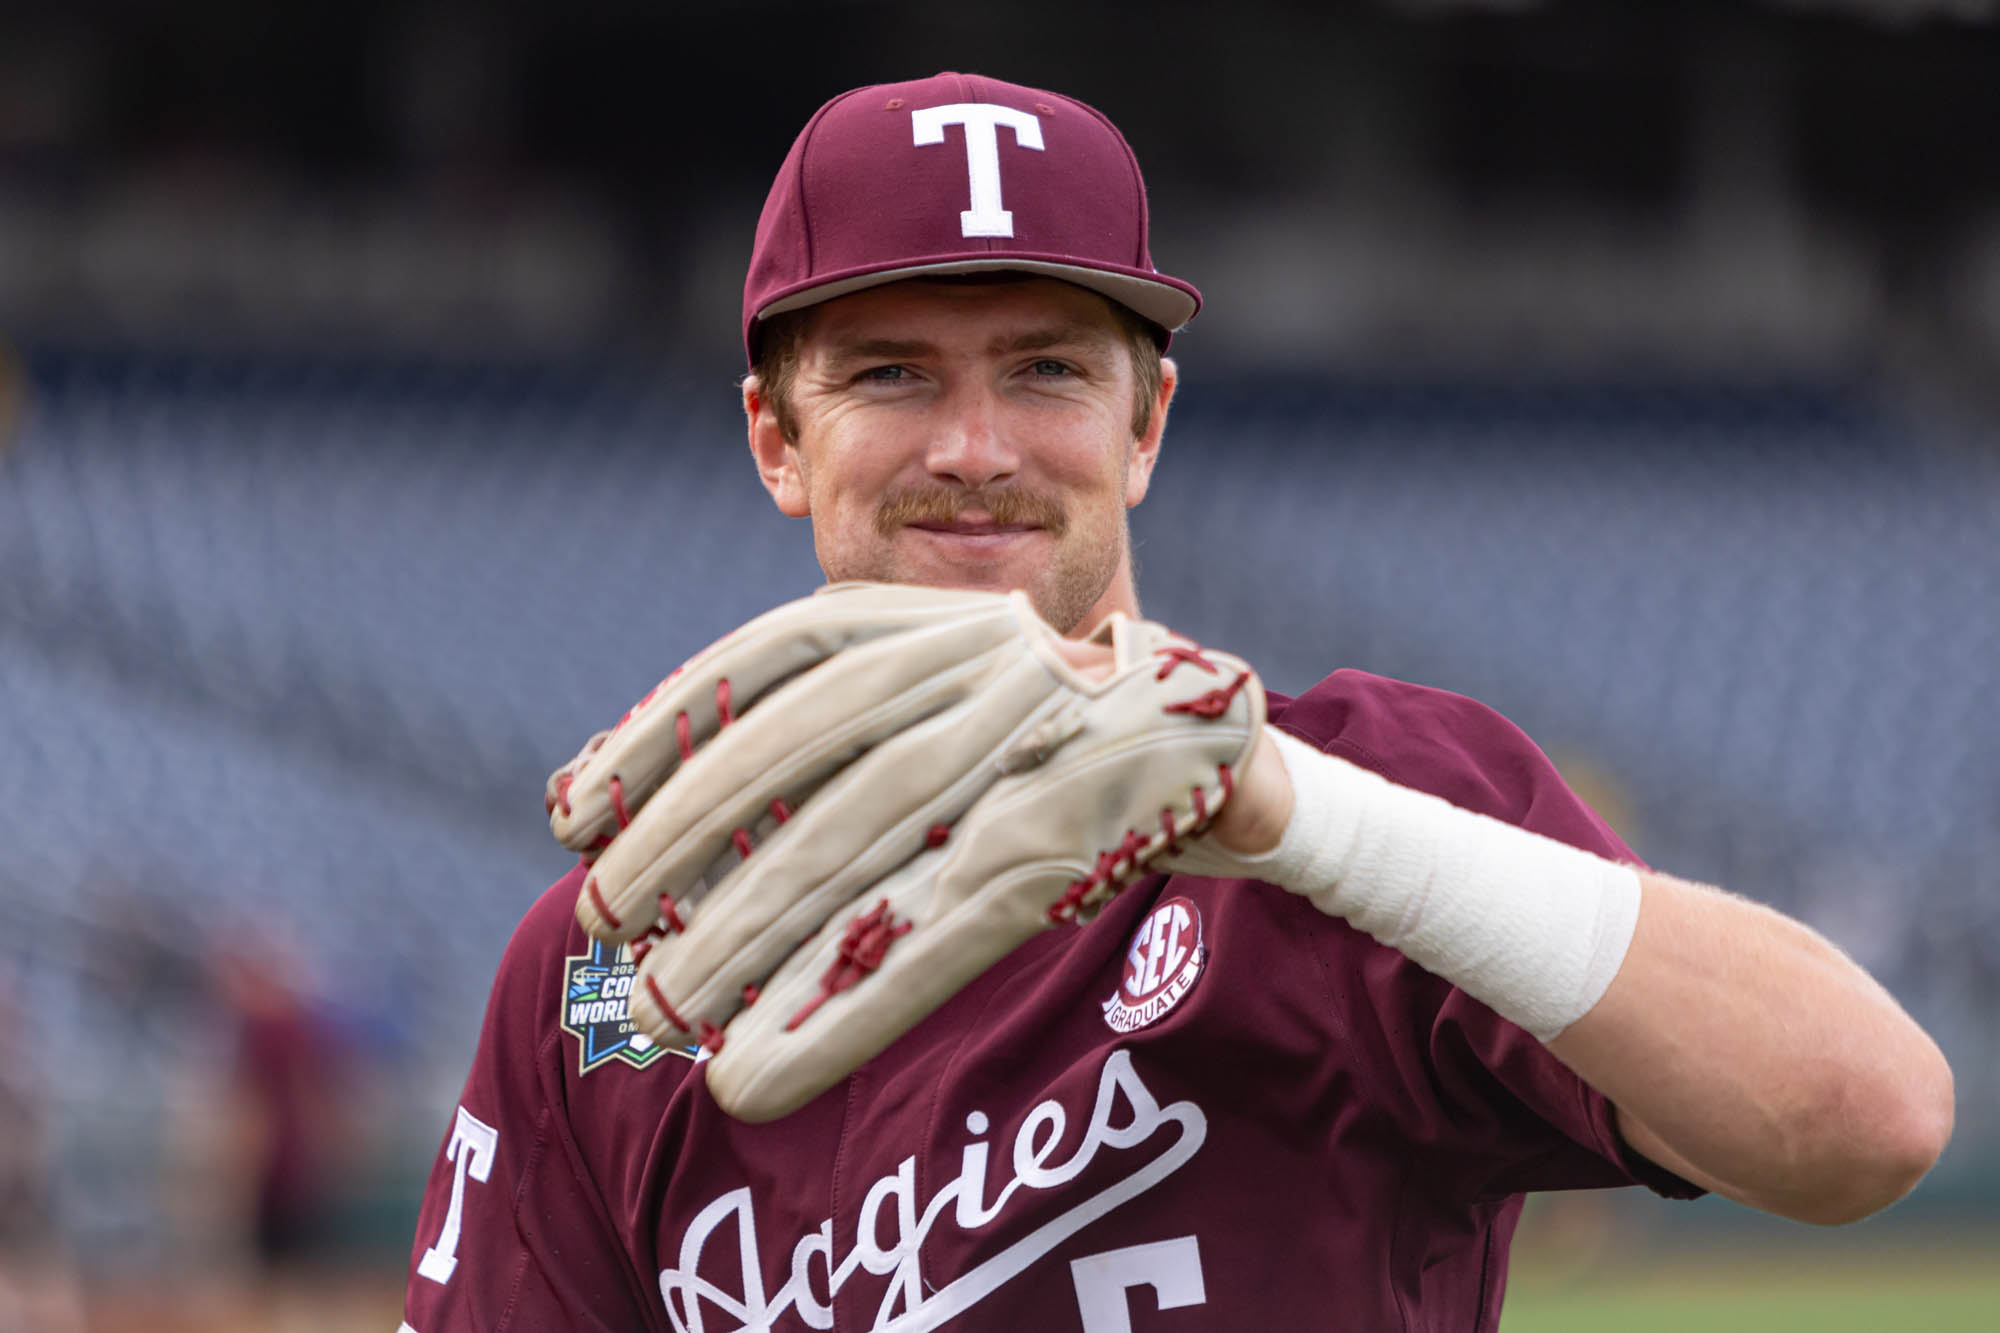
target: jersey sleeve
<point>1490,1109</point>
<point>512,1235</point>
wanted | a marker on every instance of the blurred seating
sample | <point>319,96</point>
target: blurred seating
<point>295,642</point>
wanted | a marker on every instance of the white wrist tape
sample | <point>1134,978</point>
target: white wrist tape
<point>1532,927</point>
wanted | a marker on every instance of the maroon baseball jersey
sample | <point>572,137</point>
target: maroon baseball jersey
<point>1213,1107</point>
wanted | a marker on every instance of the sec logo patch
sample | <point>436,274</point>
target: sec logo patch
<point>1161,966</point>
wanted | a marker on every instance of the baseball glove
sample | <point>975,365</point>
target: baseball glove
<point>821,827</point>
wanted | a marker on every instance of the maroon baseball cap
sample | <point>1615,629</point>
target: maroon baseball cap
<point>956,174</point>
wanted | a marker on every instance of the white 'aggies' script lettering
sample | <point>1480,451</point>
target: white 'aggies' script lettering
<point>986,217</point>
<point>892,1200</point>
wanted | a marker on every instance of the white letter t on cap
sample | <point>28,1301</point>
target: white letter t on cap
<point>982,155</point>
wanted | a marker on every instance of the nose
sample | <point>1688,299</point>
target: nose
<point>971,445</point>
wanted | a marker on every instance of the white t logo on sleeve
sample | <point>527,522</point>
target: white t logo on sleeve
<point>986,217</point>
<point>471,1150</point>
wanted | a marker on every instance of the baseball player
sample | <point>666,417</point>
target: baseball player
<point>954,948</point>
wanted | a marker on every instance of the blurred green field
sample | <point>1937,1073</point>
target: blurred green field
<point>1876,1278</point>
<point>1942,1303</point>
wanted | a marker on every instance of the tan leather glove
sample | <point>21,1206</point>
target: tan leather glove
<point>853,805</point>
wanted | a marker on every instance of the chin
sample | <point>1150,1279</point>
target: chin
<point>973,575</point>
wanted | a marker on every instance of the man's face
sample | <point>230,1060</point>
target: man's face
<point>968,435</point>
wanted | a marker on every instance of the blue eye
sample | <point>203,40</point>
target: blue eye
<point>884,373</point>
<point>1048,367</point>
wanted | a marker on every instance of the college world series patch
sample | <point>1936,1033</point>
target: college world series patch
<point>1161,966</point>
<point>596,991</point>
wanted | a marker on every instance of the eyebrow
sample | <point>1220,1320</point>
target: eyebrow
<point>1032,340</point>
<point>1056,336</point>
<point>880,349</point>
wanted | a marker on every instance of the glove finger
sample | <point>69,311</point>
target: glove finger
<point>559,781</point>
<point>884,809</point>
<point>1041,847</point>
<point>590,802</point>
<point>801,1037</point>
<point>771,761</point>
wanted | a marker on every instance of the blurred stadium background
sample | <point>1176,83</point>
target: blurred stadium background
<point>368,438</point>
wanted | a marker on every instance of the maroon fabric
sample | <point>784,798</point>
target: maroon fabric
<point>1315,1133</point>
<point>857,195</point>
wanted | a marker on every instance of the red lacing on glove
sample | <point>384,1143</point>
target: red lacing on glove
<point>669,923</point>
<point>1177,653</point>
<point>862,948</point>
<point>1107,875</point>
<point>567,776</point>
<point>711,1035</point>
<point>937,836</point>
<point>596,896</point>
<point>671,1014</point>
<point>684,726</point>
<point>1202,818</point>
<point>622,813</point>
<point>1214,703</point>
<point>633,711</point>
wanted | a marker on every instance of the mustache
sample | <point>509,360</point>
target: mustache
<point>1010,507</point>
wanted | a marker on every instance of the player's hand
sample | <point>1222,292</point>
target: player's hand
<point>820,828</point>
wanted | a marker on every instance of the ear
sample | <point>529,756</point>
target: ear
<point>1146,449</point>
<point>778,463</point>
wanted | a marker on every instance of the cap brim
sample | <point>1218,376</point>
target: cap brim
<point>1165,301</point>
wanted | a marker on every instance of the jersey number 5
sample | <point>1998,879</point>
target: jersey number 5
<point>1172,1268</point>
<point>470,1150</point>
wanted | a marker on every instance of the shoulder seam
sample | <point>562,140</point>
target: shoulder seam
<point>1360,754</point>
<point>524,1256</point>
